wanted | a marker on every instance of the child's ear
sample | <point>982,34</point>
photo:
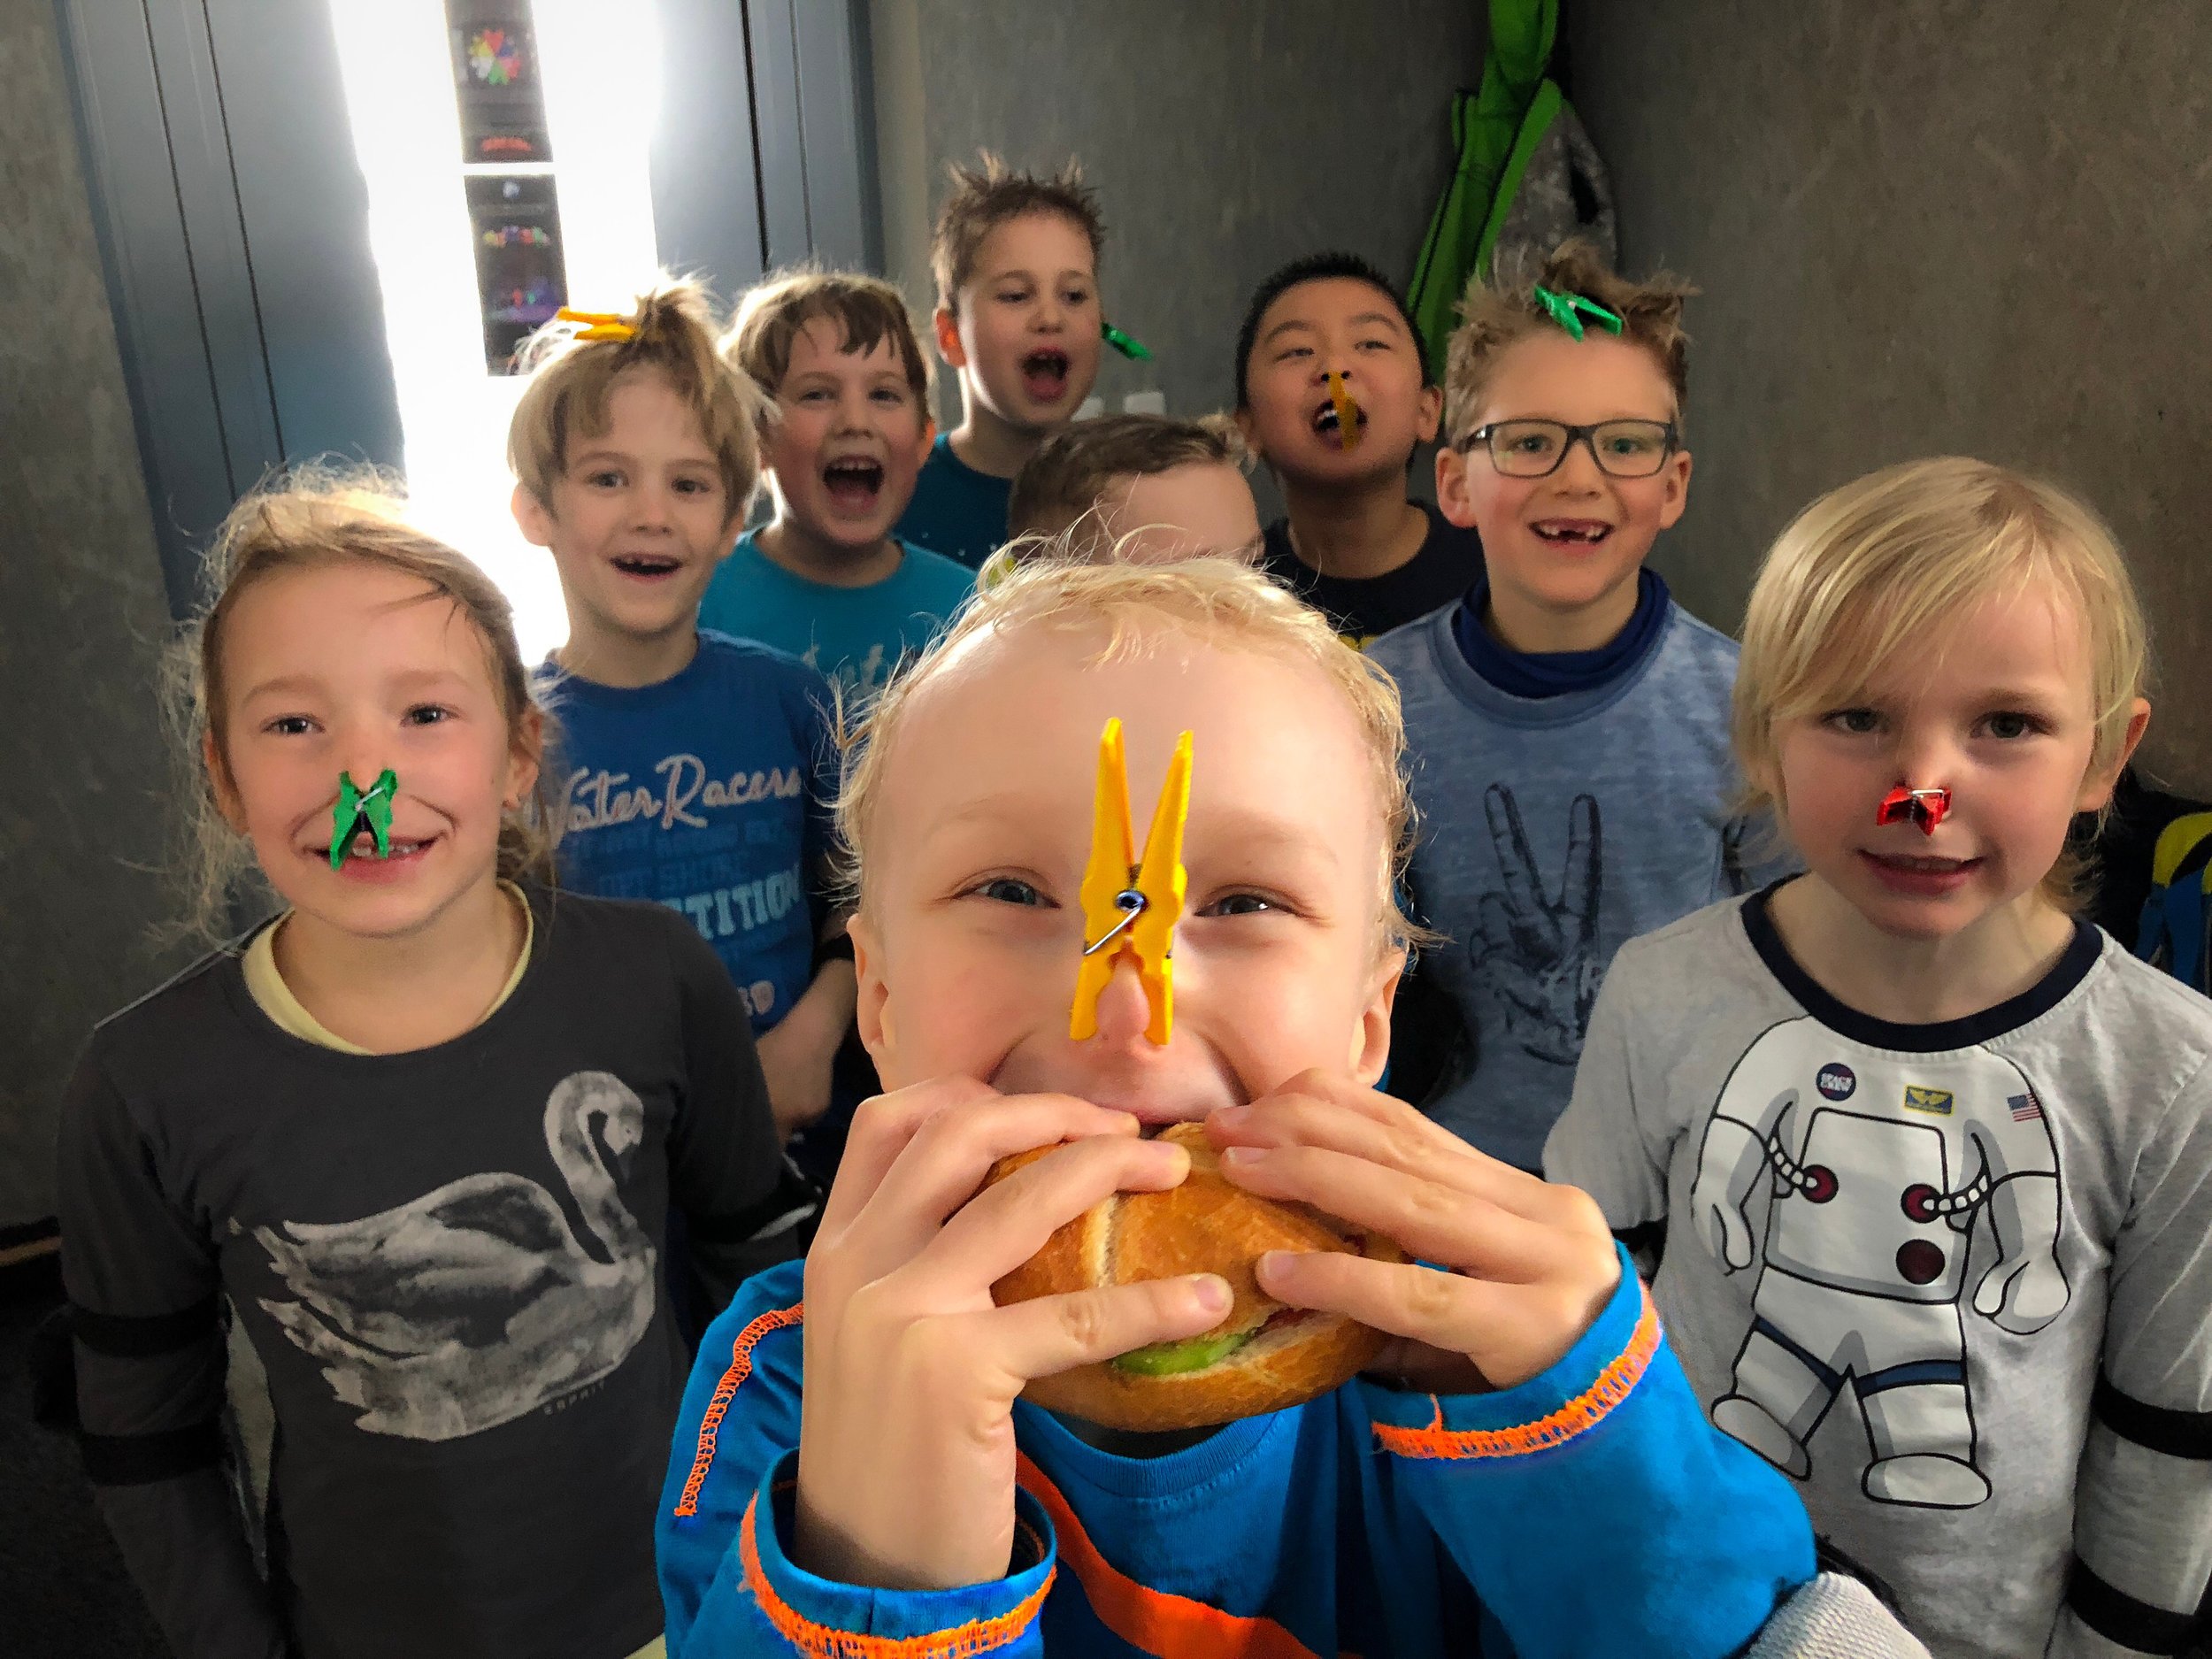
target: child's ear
<point>1455,491</point>
<point>1676,481</point>
<point>1371,1041</point>
<point>531,517</point>
<point>525,756</point>
<point>872,1012</point>
<point>1429,413</point>
<point>231,809</point>
<point>2096,788</point>
<point>1249,430</point>
<point>948,347</point>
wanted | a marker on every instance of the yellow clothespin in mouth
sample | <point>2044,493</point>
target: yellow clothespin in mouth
<point>1132,903</point>
<point>605,324</point>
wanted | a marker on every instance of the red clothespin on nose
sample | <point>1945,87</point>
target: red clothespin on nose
<point>1925,807</point>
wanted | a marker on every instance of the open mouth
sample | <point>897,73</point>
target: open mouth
<point>363,850</point>
<point>854,482</point>
<point>1045,375</point>
<point>1330,424</point>
<point>648,565</point>
<point>1572,531</point>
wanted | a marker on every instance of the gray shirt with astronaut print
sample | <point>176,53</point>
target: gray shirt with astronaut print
<point>1954,1278</point>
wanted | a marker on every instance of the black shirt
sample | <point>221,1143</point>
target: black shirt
<point>1359,608</point>
<point>448,1261</point>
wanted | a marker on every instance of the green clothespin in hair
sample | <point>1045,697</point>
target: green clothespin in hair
<point>356,810</point>
<point>1135,349</point>
<point>1567,310</point>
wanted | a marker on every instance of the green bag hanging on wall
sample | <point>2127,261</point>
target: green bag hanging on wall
<point>1528,176</point>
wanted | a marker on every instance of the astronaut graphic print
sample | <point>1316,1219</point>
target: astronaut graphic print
<point>1852,1183</point>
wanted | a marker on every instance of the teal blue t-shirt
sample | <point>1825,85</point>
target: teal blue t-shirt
<point>956,510</point>
<point>852,635</point>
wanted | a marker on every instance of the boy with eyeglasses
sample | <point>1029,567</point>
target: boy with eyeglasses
<point>1568,721</point>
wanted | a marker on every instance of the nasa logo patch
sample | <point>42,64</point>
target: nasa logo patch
<point>1837,1081</point>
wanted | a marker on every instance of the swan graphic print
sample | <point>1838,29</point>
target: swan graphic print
<point>478,1302</point>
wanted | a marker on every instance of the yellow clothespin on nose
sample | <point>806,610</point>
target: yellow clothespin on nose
<point>1132,903</point>
<point>605,324</point>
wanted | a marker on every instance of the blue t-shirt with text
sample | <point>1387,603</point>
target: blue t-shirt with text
<point>854,636</point>
<point>956,509</point>
<point>708,792</point>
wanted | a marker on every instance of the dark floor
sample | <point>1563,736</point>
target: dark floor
<point>62,1584</point>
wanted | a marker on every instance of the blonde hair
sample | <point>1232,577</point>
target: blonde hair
<point>990,195</point>
<point>1072,469</point>
<point>866,311</point>
<point>1211,599</point>
<point>1876,569</point>
<point>1495,315</point>
<point>671,329</point>
<point>323,519</point>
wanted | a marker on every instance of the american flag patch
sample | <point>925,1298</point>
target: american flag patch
<point>2025,1108</point>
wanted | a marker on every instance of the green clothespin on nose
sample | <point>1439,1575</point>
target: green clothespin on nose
<point>356,811</point>
<point>1130,347</point>
<point>1567,310</point>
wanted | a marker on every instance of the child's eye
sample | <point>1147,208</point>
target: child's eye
<point>289,726</point>
<point>1011,890</point>
<point>1243,904</point>
<point>1012,296</point>
<point>693,486</point>
<point>1857,722</point>
<point>606,478</point>
<point>1288,352</point>
<point>894,397</point>
<point>427,714</point>
<point>1076,296</point>
<point>2011,725</point>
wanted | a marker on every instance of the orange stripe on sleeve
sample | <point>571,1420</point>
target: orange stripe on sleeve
<point>820,1641</point>
<point>1584,1411</point>
<point>726,1391</point>
<point>1173,1627</point>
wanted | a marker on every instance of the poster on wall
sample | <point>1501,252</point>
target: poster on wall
<point>520,279</point>
<point>502,102</point>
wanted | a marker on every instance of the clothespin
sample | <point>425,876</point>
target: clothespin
<point>605,324</point>
<point>1567,310</point>
<point>357,812</point>
<point>1926,807</point>
<point>1128,345</point>
<point>1132,903</point>
<point>1346,412</point>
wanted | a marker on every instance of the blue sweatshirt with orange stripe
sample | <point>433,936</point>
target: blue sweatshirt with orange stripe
<point>1589,1510</point>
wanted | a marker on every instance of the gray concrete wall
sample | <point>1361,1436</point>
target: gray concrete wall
<point>1924,228</point>
<point>82,784</point>
<point>1224,139</point>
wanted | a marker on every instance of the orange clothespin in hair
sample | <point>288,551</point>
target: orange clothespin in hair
<point>1132,901</point>
<point>605,324</point>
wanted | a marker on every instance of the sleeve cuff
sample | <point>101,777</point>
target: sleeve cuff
<point>1591,1380</point>
<point>818,1615</point>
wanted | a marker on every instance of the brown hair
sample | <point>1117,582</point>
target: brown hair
<point>318,520</point>
<point>1497,314</point>
<point>1072,468</point>
<point>671,329</point>
<point>867,310</point>
<point>986,197</point>
<point>1220,601</point>
<point>1888,564</point>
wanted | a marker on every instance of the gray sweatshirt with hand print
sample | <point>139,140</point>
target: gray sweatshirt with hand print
<point>1553,830</point>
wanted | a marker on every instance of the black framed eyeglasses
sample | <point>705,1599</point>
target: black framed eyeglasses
<point>1534,448</point>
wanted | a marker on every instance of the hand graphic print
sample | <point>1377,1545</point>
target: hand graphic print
<point>1539,956</point>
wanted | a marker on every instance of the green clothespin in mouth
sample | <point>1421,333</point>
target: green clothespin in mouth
<point>1130,347</point>
<point>1567,310</point>
<point>357,812</point>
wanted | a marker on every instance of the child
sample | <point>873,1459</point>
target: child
<point>698,765</point>
<point>1568,720</point>
<point>1353,543</point>
<point>1142,487</point>
<point>1929,1132</point>
<point>900,1489</point>
<point>419,1133</point>
<point>1016,261</point>
<point>827,582</point>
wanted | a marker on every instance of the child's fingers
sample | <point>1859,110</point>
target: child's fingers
<point>1002,1228</point>
<point>1321,1110</point>
<point>949,1154</point>
<point>881,1127</point>
<point>1055,1334</point>
<point>1430,1218</point>
<point>1511,1332</point>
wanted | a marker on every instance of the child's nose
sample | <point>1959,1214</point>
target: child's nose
<point>1123,1010</point>
<point>649,507</point>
